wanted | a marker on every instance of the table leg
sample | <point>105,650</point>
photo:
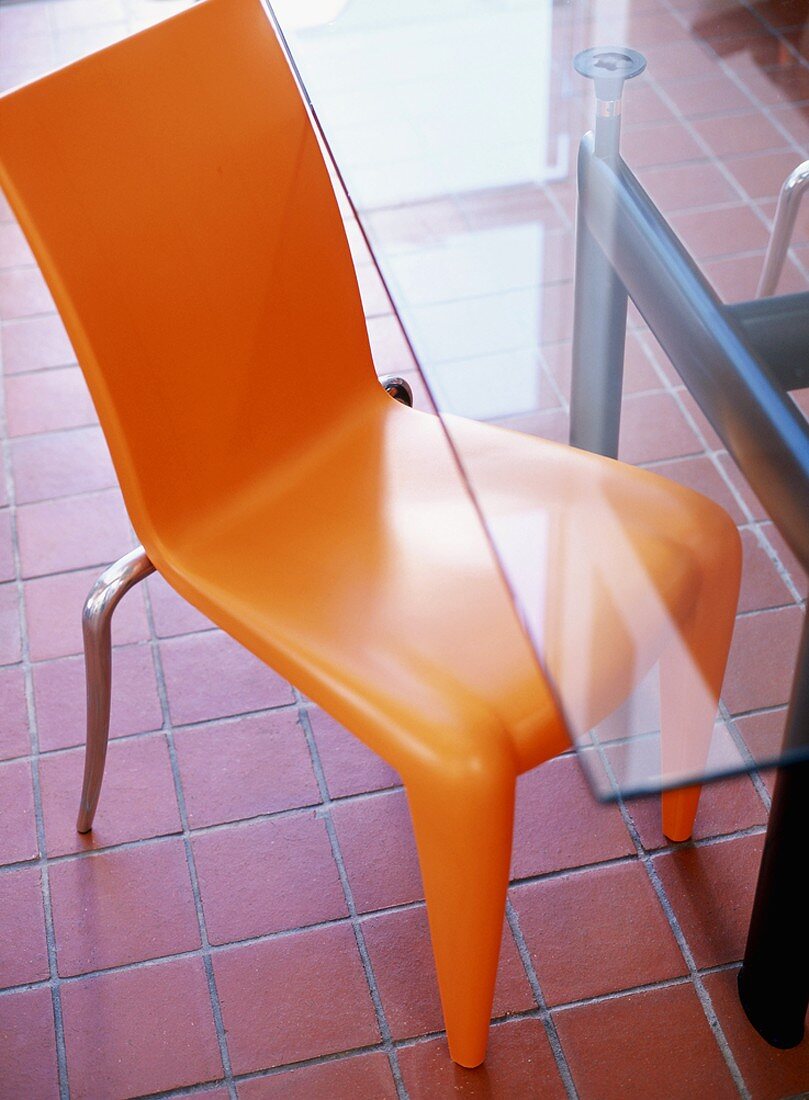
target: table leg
<point>774,979</point>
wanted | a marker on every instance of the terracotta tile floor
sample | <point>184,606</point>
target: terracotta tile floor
<point>247,917</point>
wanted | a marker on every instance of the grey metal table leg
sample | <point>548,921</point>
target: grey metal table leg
<point>104,597</point>
<point>599,324</point>
<point>599,334</point>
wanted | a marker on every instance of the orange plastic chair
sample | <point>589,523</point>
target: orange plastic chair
<point>174,193</point>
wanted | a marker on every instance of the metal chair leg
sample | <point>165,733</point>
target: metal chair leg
<point>398,388</point>
<point>787,210</point>
<point>104,597</point>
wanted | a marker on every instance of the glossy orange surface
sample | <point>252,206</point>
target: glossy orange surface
<point>173,191</point>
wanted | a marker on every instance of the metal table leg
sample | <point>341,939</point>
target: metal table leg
<point>774,979</point>
<point>599,323</point>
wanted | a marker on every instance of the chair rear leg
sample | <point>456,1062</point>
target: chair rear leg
<point>104,597</point>
<point>463,832</point>
<point>691,674</point>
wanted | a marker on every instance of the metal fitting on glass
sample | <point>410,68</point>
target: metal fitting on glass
<point>609,67</point>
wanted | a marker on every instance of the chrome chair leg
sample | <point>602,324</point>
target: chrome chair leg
<point>398,388</point>
<point>787,210</point>
<point>104,597</point>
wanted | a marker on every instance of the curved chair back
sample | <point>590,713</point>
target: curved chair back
<point>175,196</point>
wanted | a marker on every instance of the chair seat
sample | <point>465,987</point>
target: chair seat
<point>364,576</point>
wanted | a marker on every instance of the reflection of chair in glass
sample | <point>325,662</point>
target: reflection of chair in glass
<point>789,201</point>
<point>173,190</point>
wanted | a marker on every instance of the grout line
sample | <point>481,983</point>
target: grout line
<point>382,1022</point>
<point>216,1007</point>
<point>370,915</point>
<point>544,1014</point>
<point>41,860</point>
<point>657,885</point>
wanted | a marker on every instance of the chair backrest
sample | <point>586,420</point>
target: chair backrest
<point>173,191</point>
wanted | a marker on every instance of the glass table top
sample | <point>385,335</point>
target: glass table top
<point>454,128</point>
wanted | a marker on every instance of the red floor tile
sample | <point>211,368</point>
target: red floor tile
<point>751,502</point>
<point>735,278</point>
<point>48,401</point>
<point>33,345</point>
<point>653,428</point>
<point>559,824</point>
<point>663,143</point>
<point>291,981</point>
<point>764,736</point>
<point>711,892</point>
<point>211,676</point>
<point>725,22</point>
<point>762,585</point>
<point>53,610</point>
<point>172,614</point>
<point>678,60</point>
<point>769,1074</point>
<point>18,837</point>
<point>28,1045</point>
<point>389,348</point>
<point>649,25</point>
<point>72,532</point>
<point>700,474</point>
<point>115,1048</point>
<point>796,573</point>
<point>709,233</point>
<point>682,186</point>
<point>343,1079</point>
<point>14,250</point>
<point>375,301</point>
<point>724,807</point>
<point>59,697</point>
<point>596,932</point>
<point>379,851</point>
<point>60,464</point>
<point>266,877</point>
<point>14,736</point>
<point>94,899</point>
<point>402,960</point>
<point>23,950</point>
<point>244,768</point>
<point>639,373</point>
<point>557,312</point>
<point>519,1063</point>
<point>137,799</point>
<point>762,659</point>
<point>10,638</point>
<point>348,765</point>
<point>656,1043</point>
<point>750,132</point>
<point>23,293</point>
<point>762,174</point>
<point>704,427</point>
<point>793,119</point>
<point>646,107</point>
<point>6,552</point>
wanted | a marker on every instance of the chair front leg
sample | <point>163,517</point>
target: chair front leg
<point>463,822</point>
<point>104,597</point>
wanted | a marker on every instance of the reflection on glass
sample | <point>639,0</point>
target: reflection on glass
<point>455,128</point>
